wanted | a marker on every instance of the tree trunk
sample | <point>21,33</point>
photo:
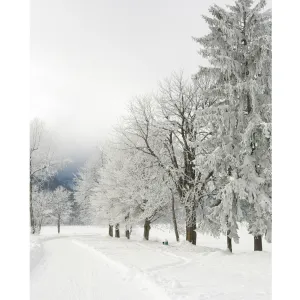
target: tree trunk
<point>58,225</point>
<point>128,232</point>
<point>229,241</point>
<point>147,228</point>
<point>32,225</point>
<point>117,231</point>
<point>40,225</point>
<point>174,218</point>
<point>111,230</point>
<point>257,243</point>
<point>191,235</point>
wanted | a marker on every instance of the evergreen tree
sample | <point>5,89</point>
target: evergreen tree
<point>238,48</point>
<point>75,216</point>
<point>86,181</point>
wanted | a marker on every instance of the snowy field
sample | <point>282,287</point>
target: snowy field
<point>84,263</point>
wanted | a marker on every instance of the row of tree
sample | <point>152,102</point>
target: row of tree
<point>45,203</point>
<point>197,150</point>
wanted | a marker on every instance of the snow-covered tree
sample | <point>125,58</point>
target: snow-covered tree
<point>165,128</point>
<point>41,205</point>
<point>43,161</point>
<point>60,206</point>
<point>204,143</point>
<point>75,216</point>
<point>239,50</point>
<point>111,191</point>
<point>86,181</point>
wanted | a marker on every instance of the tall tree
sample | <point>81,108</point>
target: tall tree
<point>132,190</point>
<point>239,50</point>
<point>164,127</point>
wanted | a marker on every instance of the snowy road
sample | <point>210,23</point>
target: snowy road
<point>84,263</point>
<point>68,271</point>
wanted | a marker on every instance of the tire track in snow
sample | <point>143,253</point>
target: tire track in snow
<point>170,284</point>
<point>74,273</point>
<point>132,274</point>
<point>150,275</point>
<point>182,261</point>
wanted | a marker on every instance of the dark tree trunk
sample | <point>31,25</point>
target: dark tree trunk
<point>117,231</point>
<point>128,232</point>
<point>257,243</point>
<point>191,235</point>
<point>147,228</point>
<point>229,241</point>
<point>32,225</point>
<point>174,218</point>
<point>111,230</point>
<point>58,225</point>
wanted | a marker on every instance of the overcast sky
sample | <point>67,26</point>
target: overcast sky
<point>90,57</point>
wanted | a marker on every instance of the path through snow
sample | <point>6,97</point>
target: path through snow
<point>87,264</point>
<point>68,271</point>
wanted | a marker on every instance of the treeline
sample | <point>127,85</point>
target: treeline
<point>49,201</point>
<point>199,147</point>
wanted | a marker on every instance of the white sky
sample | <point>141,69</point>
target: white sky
<point>90,57</point>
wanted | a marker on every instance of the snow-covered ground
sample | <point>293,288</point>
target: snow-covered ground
<point>84,263</point>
